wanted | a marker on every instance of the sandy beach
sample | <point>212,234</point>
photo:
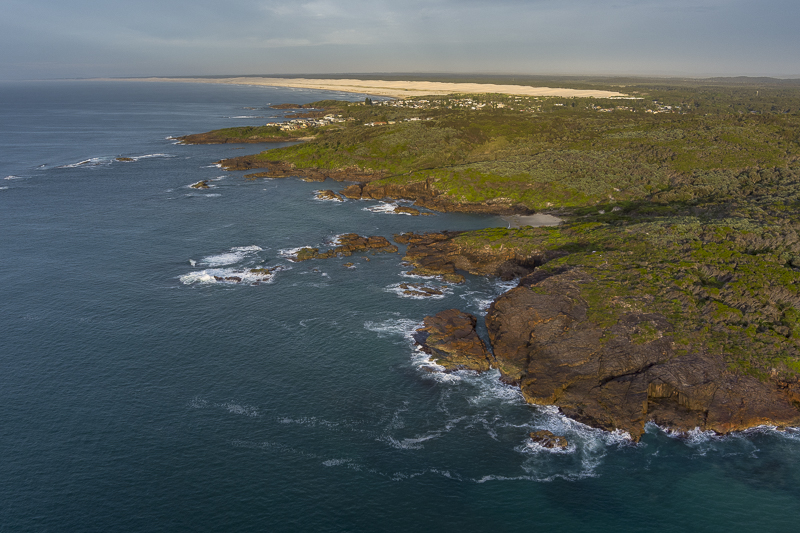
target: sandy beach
<point>397,89</point>
<point>535,220</point>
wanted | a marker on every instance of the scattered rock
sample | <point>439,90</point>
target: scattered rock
<point>401,209</point>
<point>200,185</point>
<point>348,245</point>
<point>348,265</point>
<point>452,342</point>
<point>328,195</point>
<point>266,271</point>
<point>548,439</point>
<point>418,289</point>
<point>125,159</point>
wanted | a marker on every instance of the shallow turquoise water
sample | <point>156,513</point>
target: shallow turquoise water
<point>136,396</point>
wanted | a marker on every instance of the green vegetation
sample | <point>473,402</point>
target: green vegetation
<point>559,154</point>
<point>683,202</point>
<point>730,285</point>
<point>248,132</point>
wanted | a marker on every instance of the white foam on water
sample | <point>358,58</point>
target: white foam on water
<point>477,300</point>
<point>198,195</point>
<point>505,286</point>
<point>336,240</point>
<point>291,253</point>
<point>317,198</point>
<point>245,410</point>
<point>198,403</point>
<point>91,162</point>
<point>234,255</point>
<point>222,259</point>
<point>383,207</point>
<point>408,274</point>
<point>396,289</point>
<point>148,156</point>
<point>412,443</point>
<point>246,116</point>
<point>16,177</point>
<point>586,450</point>
<point>480,300</point>
<point>3,188</point>
<point>192,186</point>
<point>213,276</point>
<point>736,443</point>
<point>404,327</point>
<point>272,446</point>
<point>336,462</point>
<point>489,389</point>
<point>310,421</point>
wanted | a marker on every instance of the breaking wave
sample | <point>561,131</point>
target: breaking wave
<point>232,256</point>
<point>419,291</point>
<point>230,276</point>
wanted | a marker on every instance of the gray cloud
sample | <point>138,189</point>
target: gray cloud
<point>48,38</point>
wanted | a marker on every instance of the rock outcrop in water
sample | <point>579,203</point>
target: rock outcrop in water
<point>418,289</point>
<point>548,439</point>
<point>328,195</point>
<point>347,245</point>
<point>452,342</point>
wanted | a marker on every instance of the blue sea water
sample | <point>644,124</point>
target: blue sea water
<point>138,393</point>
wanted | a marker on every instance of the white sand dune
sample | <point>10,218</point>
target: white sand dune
<point>397,89</point>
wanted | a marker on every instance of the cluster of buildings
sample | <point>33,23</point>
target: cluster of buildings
<point>610,109</point>
<point>450,103</point>
<point>382,123</point>
<point>664,109</point>
<point>303,123</point>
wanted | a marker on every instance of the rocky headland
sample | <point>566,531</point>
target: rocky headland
<point>237,137</point>
<point>614,352</point>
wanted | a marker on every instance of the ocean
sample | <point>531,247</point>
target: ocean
<point>138,392</point>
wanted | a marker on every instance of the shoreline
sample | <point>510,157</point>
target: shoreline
<point>395,89</point>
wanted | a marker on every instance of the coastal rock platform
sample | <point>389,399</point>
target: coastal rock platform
<point>622,376</point>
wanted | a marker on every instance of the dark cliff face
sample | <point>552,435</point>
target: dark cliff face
<point>622,376</point>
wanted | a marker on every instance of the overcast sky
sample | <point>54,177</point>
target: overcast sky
<point>94,38</point>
